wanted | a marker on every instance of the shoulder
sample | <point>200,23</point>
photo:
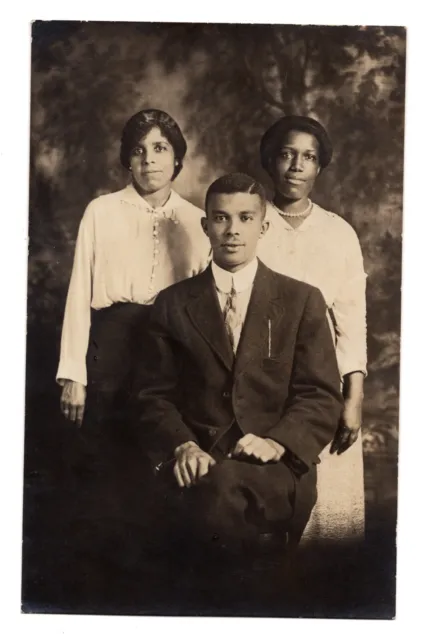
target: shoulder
<point>336,224</point>
<point>104,202</point>
<point>179,292</point>
<point>186,210</point>
<point>285,285</point>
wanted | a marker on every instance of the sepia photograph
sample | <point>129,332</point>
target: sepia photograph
<point>213,319</point>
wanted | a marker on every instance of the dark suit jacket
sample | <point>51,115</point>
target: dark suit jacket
<point>191,387</point>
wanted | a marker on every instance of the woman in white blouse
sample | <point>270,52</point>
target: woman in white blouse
<point>131,244</point>
<point>311,244</point>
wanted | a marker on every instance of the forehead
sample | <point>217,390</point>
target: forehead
<point>153,136</point>
<point>301,140</point>
<point>235,203</point>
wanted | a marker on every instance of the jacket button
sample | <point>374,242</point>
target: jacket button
<point>226,394</point>
<point>212,432</point>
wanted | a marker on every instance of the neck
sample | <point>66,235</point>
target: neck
<point>233,268</point>
<point>290,206</point>
<point>157,198</point>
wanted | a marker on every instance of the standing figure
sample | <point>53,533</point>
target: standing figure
<point>316,246</point>
<point>131,244</point>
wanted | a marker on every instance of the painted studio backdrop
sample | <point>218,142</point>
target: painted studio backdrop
<point>224,85</point>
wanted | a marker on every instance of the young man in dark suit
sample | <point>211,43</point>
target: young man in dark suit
<point>239,390</point>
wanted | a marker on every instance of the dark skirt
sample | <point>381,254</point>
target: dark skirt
<point>111,477</point>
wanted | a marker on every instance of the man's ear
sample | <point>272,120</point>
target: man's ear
<point>265,227</point>
<point>204,225</point>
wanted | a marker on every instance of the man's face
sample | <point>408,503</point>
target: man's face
<point>234,224</point>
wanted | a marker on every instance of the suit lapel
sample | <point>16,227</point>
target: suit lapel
<point>205,313</point>
<point>263,315</point>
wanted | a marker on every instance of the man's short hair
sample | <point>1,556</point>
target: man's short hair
<point>236,183</point>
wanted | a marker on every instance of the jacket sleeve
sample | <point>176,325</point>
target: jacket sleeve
<point>314,402</point>
<point>157,416</point>
<point>77,316</point>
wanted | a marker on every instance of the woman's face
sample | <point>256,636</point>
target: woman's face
<point>297,165</point>
<point>152,162</point>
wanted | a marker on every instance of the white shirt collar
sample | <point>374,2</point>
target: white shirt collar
<point>242,279</point>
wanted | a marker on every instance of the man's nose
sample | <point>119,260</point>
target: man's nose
<point>233,228</point>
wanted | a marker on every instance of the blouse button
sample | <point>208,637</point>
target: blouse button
<point>156,251</point>
<point>156,241</point>
<point>155,233</point>
<point>155,263</point>
<point>212,432</point>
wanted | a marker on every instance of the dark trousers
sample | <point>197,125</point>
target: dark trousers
<point>235,506</point>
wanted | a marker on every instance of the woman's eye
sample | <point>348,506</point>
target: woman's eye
<point>137,151</point>
<point>311,157</point>
<point>286,154</point>
<point>160,147</point>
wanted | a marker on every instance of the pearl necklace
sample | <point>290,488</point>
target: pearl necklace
<point>293,215</point>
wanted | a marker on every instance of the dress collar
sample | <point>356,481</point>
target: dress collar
<point>242,279</point>
<point>131,196</point>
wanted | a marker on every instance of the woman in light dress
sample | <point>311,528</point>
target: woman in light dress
<point>319,247</point>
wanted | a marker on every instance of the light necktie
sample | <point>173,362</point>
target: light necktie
<point>232,317</point>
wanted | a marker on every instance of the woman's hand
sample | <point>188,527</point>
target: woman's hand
<point>73,399</point>
<point>349,426</point>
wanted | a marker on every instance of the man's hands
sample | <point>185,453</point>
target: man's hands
<point>192,464</point>
<point>262,449</point>
<point>73,400</point>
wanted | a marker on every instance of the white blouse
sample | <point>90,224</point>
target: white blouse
<point>324,251</point>
<point>126,251</point>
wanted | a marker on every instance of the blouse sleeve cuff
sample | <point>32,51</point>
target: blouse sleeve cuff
<point>71,371</point>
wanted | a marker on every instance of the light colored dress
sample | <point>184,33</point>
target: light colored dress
<point>324,251</point>
<point>126,251</point>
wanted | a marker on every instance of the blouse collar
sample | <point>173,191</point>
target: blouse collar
<point>131,196</point>
<point>241,280</point>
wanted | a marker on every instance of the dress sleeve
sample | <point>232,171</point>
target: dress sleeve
<point>349,312</point>
<point>77,316</point>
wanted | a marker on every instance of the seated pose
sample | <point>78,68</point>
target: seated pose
<point>239,390</point>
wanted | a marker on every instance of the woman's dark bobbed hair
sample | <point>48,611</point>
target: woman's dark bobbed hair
<point>144,121</point>
<point>273,139</point>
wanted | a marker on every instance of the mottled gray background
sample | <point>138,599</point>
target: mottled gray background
<point>224,84</point>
